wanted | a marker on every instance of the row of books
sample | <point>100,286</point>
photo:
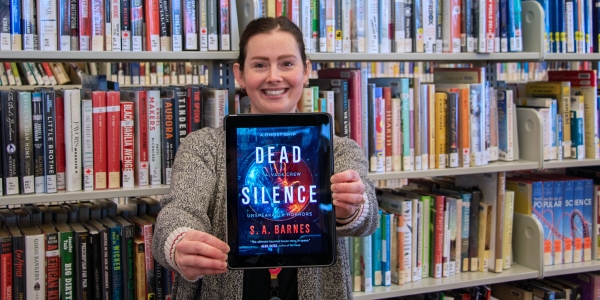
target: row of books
<point>436,228</point>
<point>97,139</point>
<point>44,73</point>
<point>89,249</point>
<point>482,292</point>
<point>426,26</point>
<point>570,26</point>
<point>116,25</point>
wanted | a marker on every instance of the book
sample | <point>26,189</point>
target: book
<point>73,139</point>
<point>10,142</point>
<point>113,139</point>
<point>127,144</point>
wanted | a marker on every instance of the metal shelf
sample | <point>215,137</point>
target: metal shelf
<point>85,195</point>
<point>108,56</point>
<point>587,266</point>
<point>571,56</point>
<point>521,56</point>
<point>466,279</point>
<point>570,163</point>
<point>499,166</point>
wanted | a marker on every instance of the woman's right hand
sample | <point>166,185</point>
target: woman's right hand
<point>199,253</point>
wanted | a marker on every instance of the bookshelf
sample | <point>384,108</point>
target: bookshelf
<point>107,56</point>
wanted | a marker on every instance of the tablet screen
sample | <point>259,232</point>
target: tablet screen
<point>282,191</point>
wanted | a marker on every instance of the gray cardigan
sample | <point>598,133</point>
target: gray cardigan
<point>197,201</point>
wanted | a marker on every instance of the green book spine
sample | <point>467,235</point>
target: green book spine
<point>66,269</point>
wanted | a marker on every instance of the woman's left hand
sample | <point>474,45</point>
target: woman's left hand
<point>347,192</point>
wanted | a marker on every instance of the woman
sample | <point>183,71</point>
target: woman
<point>190,230</point>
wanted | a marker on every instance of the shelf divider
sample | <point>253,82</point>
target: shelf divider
<point>527,242</point>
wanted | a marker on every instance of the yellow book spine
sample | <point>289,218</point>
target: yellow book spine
<point>440,130</point>
<point>140,269</point>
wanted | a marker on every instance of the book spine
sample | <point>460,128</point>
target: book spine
<point>6,269</point>
<point>452,127</point>
<point>37,73</point>
<point>65,244</point>
<point>49,130</point>
<point>72,133</point>
<point>176,26</point>
<point>99,120</point>
<point>5,43</point>
<point>19,261</point>
<point>212,25</point>
<point>113,137</point>
<point>141,139</point>
<point>376,244</point>
<point>35,261</point>
<point>15,25</point>
<point>490,25</point>
<point>127,140</point>
<point>137,25</point>
<point>140,270</point>
<point>60,141</point>
<point>588,211</point>
<point>38,142</point>
<point>557,210</point>
<point>165,25</point>
<point>74,24</point>
<point>52,266</point>
<point>153,24</point>
<point>167,138</point>
<point>194,102</point>
<point>27,185</point>
<point>97,24</point>
<point>126,27</point>
<point>387,98</point>
<point>190,23</point>
<point>154,133</point>
<point>203,23</point>
<point>429,24</point>
<point>366,267</point>
<point>371,28</point>
<point>85,25</point>
<point>10,142</point>
<point>379,131</point>
<point>64,25</point>
<point>87,125</point>
<point>223,17</point>
<point>116,272</point>
<point>440,125</point>
<point>47,25</point>
<point>108,39</point>
<point>115,25</point>
<point>15,71</point>
<point>27,19</point>
<point>127,262</point>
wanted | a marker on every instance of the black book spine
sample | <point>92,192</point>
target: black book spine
<point>26,174</point>
<point>74,22</point>
<point>18,244</point>
<point>38,141</point>
<point>167,138</point>
<point>127,261</point>
<point>165,20</point>
<point>82,257</point>
<point>180,117</point>
<point>96,267</point>
<point>106,264</point>
<point>52,266</point>
<point>452,130</point>
<point>50,141</point>
<point>159,278</point>
<point>474,258</point>
<point>10,142</point>
<point>194,95</point>
<point>115,260</point>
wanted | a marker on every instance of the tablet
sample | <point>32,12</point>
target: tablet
<point>279,206</point>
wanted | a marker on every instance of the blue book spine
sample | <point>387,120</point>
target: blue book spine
<point>417,15</point>
<point>553,113</point>
<point>176,25</point>
<point>596,26</point>
<point>15,25</point>
<point>578,219</point>
<point>376,243</point>
<point>546,7</point>
<point>559,136</point>
<point>587,17</point>
<point>322,27</point>
<point>386,256</point>
<point>551,14</point>
<point>406,128</point>
<point>367,258</point>
<point>115,241</point>
<point>588,212</point>
<point>548,221</point>
<point>502,124</point>
<point>568,206</point>
<point>557,208</point>
<point>464,231</point>
<point>503,22</point>
<point>562,38</point>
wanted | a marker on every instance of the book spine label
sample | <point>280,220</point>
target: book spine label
<point>167,138</point>
<point>60,142</point>
<point>152,25</point>
<point>73,156</point>
<point>47,25</point>
<point>176,21</point>
<point>115,24</point>
<point>10,142</point>
<point>125,25</point>
<point>88,144</point>
<point>27,183</point>
<point>35,261</point>
<point>100,142</point>
<point>85,25</point>
<point>50,141</point>
<point>113,137</point>
<point>52,266</point>
<point>190,23</point>
<point>154,133</point>
<point>97,24</point>
<point>127,140</point>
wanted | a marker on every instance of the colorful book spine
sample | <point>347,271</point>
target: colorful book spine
<point>568,209</point>
<point>176,26</point>
<point>137,25</point>
<point>125,21</point>
<point>190,24</point>
<point>15,25</point>
<point>27,181</point>
<point>588,212</point>
<point>97,25</point>
<point>153,24</point>
<point>223,18</point>
<point>85,25</point>
<point>59,122</point>
<point>154,132</point>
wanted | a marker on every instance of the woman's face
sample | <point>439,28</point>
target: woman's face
<point>274,74</point>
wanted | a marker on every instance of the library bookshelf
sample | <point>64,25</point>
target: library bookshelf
<point>527,234</point>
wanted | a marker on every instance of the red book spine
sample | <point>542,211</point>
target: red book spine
<point>59,107</point>
<point>47,69</point>
<point>85,25</point>
<point>99,130</point>
<point>6,270</point>
<point>438,242</point>
<point>152,25</point>
<point>113,136</point>
<point>387,97</point>
<point>491,25</point>
<point>142,113</point>
<point>127,140</point>
<point>52,267</point>
<point>194,102</point>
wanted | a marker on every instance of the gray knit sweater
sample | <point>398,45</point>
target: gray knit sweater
<point>197,201</point>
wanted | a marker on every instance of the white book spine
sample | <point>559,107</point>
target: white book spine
<point>115,25</point>
<point>384,21</point>
<point>88,145</point>
<point>330,25</point>
<point>481,34</point>
<point>417,222</point>
<point>306,24</point>
<point>127,140</point>
<point>38,77</point>
<point>396,135</point>
<point>409,241</point>
<point>35,257</point>
<point>429,24</point>
<point>360,25</point>
<point>47,25</point>
<point>73,167</point>
<point>447,27</point>
<point>154,132</point>
<point>399,29</point>
<point>346,31</point>
<point>372,26</point>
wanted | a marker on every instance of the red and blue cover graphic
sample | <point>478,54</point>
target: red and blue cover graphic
<point>278,190</point>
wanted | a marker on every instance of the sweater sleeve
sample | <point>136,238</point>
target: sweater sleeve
<point>193,189</point>
<point>349,156</point>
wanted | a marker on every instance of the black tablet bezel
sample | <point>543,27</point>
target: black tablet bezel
<point>329,254</point>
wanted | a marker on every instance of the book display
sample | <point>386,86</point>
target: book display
<point>484,150</point>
